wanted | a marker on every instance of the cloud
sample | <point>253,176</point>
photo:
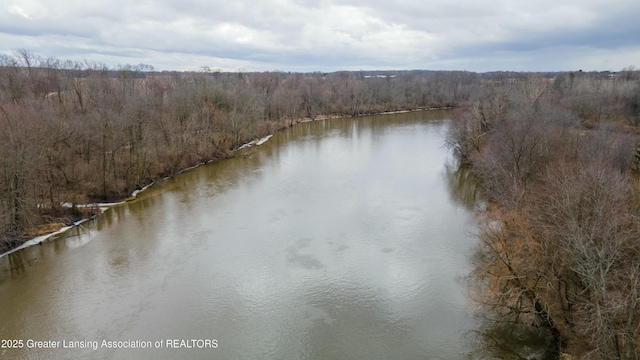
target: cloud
<point>326,35</point>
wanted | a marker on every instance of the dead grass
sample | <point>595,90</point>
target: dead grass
<point>45,229</point>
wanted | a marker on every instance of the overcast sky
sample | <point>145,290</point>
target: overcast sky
<point>330,35</point>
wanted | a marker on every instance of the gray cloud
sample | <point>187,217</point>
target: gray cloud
<point>326,35</point>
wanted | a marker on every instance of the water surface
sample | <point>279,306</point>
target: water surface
<point>341,239</point>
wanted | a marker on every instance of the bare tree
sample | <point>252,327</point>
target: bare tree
<point>586,210</point>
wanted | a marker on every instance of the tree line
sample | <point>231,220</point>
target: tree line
<point>81,132</point>
<point>558,159</point>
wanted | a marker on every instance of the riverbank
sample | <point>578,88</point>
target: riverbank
<point>559,251</point>
<point>99,208</point>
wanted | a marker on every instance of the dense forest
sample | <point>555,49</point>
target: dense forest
<point>556,154</point>
<point>558,159</point>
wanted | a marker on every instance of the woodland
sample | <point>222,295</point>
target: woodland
<point>559,248</point>
<point>555,154</point>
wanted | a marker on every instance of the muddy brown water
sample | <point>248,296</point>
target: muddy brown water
<point>336,239</point>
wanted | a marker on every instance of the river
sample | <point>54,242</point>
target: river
<point>335,239</point>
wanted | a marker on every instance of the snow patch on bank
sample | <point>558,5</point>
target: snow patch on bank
<point>263,140</point>
<point>136,192</point>
<point>255,142</point>
<point>101,206</point>
<point>39,239</point>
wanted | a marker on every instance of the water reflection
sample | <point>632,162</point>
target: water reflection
<point>17,263</point>
<point>463,187</point>
<point>510,341</point>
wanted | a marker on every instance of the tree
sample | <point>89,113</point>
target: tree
<point>311,98</point>
<point>13,80</point>
<point>632,105</point>
<point>587,213</point>
<point>18,161</point>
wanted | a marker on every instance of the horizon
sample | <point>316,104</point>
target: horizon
<point>149,68</point>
